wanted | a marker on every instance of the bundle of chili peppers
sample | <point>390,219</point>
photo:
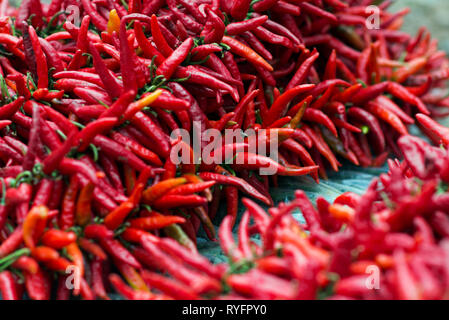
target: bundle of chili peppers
<point>390,243</point>
<point>90,99</point>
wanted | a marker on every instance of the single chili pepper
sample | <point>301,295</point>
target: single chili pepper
<point>411,68</point>
<point>239,9</point>
<point>34,218</point>
<point>303,70</point>
<point>10,109</point>
<point>83,211</point>
<point>320,117</point>
<point>203,51</point>
<point>116,217</point>
<point>136,235</point>
<point>240,49</point>
<point>154,223</point>
<point>26,263</point>
<point>8,286</point>
<point>92,248</point>
<point>86,136</point>
<point>388,117</point>
<point>280,105</point>
<point>171,201</point>
<point>37,285</point>
<point>227,243</point>
<point>57,239</point>
<point>42,195</point>
<point>76,256</point>
<point>434,128</point>
<point>44,254</point>
<point>158,38</point>
<point>370,93</point>
<point>191,188</point>
<point>234,181</point>
<point>167,68</point>
<point>98,286</point>
<point>113,22</point>
<point>322,147</point>
<point>369,120</point>
<point>270,37</point>
<point>109,82</point>
<point>155,192</point>
<point>55,159</point>
<point>254,161</point>
<point>242,106</point>
<point>116,250</point>
<point>59,264</point>
<point>400,92</point>
<point>67,216</point>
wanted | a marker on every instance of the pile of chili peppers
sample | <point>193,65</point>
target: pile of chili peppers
<point>90,97</point>
<point>390,243</point>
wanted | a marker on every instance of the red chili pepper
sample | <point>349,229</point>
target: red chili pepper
<point>37,285</point>
<point>8,287</point>
<point>154,223</point>
<point>280,105</point>
<point>8,110</point>
<point>116,250</point>
<point>320,117</point>
<point>92,248</point>
<point>158,38</point>
<point>439,131</point>
<point>167,68</point>
<point>402,93</point>
<point>108,81</point>
<point>373,124</point>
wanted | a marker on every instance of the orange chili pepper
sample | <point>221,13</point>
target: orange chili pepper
<point>246,52</point>
<point>113,22</point>
<point>83,212</point>
<point>342,212</point>
<point>158,190</point>
<point>43,253</point>
<point>76,256</point>
<point>36,215</point>
<point>155,223</point>
<point>412,67</point>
